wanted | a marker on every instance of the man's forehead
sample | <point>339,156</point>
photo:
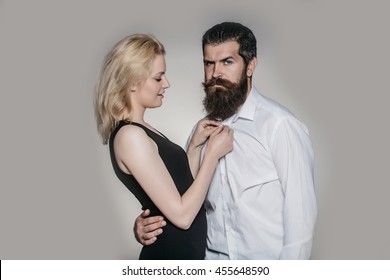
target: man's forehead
<point>221,51</point>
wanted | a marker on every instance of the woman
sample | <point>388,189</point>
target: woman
<point>153,168</point>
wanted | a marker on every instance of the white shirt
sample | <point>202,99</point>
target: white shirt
<point>261,203</point>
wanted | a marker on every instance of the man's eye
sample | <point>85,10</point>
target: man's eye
<point>228,62</point>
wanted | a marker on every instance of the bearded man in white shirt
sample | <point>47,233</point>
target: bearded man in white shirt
<point>261,203</point>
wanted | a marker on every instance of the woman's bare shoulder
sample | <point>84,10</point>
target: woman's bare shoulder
<point>132,137</point>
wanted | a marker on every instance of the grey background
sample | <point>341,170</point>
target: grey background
<point>327,61</point>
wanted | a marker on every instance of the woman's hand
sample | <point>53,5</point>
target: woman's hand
<point>220,142</point>
<point>204,129</point>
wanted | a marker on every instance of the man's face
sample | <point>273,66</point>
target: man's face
<point>223,61</point>
<point>226,82</point>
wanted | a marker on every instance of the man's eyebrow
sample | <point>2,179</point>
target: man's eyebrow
<point>221,60</point>
<point>227,58</point>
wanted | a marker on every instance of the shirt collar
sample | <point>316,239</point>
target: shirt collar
<point>248,109</point>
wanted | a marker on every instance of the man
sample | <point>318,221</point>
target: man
<point>261,203</point>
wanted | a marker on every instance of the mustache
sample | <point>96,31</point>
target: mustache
<point>217,81</point>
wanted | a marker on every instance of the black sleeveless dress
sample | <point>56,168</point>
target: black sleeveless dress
<point>173,243</point>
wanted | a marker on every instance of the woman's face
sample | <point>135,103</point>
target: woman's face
<point>150,92</point>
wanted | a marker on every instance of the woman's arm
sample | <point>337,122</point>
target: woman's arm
<point>203,129</point>
<point>137,154</point>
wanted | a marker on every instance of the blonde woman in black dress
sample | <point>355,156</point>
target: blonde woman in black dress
<point>158,172</point>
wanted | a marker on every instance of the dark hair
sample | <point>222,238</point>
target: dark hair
<point>232,31</point>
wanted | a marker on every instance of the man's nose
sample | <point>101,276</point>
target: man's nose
<point>217,73</point>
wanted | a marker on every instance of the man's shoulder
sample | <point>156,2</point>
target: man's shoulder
<point>272,114</point>
<point>270,106</point>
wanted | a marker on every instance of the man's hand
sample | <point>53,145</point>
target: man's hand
<point>146,229</point>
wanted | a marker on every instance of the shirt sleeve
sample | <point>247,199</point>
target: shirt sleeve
<point>294,161</point>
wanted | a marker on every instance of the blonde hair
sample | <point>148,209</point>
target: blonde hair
<point>128,63</point>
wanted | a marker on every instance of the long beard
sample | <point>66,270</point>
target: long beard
<point>223,102</point>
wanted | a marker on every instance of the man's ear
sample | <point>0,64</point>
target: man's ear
<point>251,67</point>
